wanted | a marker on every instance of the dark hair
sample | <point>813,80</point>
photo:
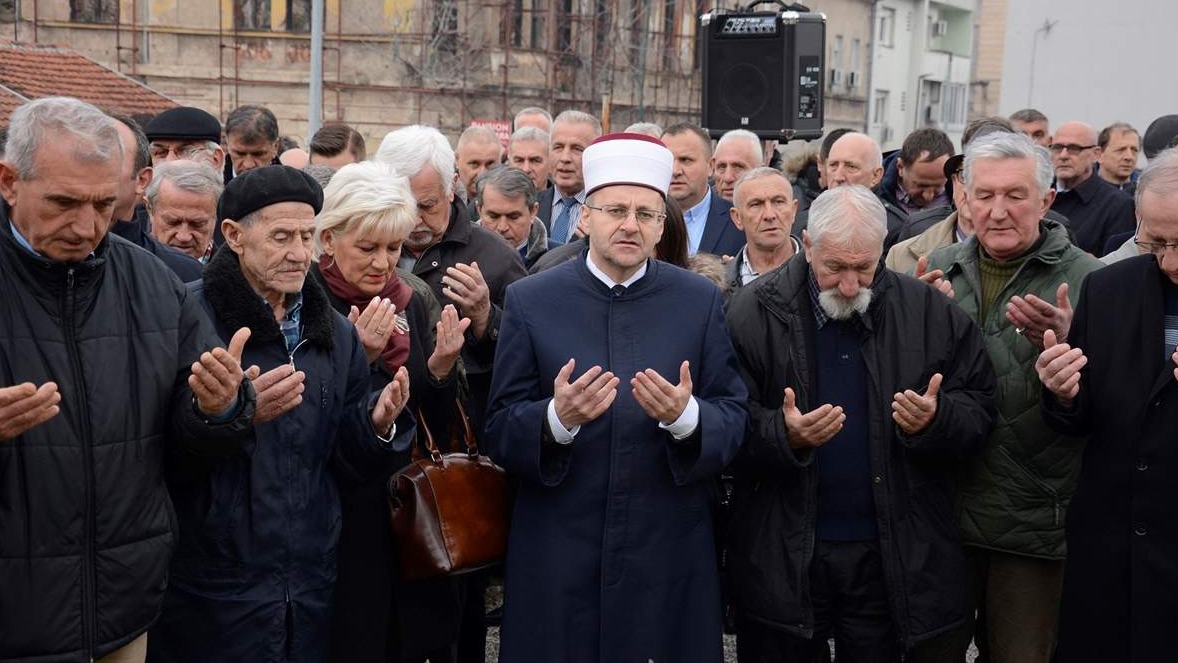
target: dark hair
<point>672,246</point>
<point>934,142</point>
<point>142,145</point>
<point>1106,134</point>
<point>287,143</point>
<point>984,126</point>
<point>828,142</point>
<point>1028,115</point>
<point>252,124</point>
<point>511,182</point>
<point>684,128</point>
<point>332,139</point>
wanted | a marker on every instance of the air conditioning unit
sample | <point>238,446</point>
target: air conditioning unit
<point>852,79</point>
<point>836,77</point>
<point>940,28</point>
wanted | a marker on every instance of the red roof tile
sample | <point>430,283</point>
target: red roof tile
<point>35,70</point>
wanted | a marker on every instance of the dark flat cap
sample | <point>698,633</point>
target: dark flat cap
<point>184,123</point>
<point>1160,135</point>
<point>268,185</point>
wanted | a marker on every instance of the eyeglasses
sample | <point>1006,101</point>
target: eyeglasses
<point>1156,248</point>
<point>1057,148</point>
<point>621,213</point>
<point>182,151</point>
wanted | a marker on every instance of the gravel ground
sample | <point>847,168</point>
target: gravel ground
<point>495,597</point>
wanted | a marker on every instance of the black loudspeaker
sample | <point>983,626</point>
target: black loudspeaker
<point>764,72</point>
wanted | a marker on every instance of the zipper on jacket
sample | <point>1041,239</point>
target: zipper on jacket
<point>89,602</point>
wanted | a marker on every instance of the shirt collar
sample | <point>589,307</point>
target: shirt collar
<point>700,209</point>
<point>24,243</point>
<point>610,283</point>
<point>747,275</point>
<point>820,316</point>
<point>20,239</point>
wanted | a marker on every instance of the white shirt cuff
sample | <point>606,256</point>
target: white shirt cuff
<point>560,434</point>
<point>687,422</point>
<point>392,434</point>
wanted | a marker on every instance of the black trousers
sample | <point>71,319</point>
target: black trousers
<point>850,604</point>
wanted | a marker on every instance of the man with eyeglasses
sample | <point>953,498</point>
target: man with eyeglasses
<point>185,133</point>
<point>615,402</point>
<point>1115,380</point>
<point>1097,210</point>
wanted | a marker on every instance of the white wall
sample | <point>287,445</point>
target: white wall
<point>1100,62</point>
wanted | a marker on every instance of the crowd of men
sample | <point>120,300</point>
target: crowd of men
<point>908,403</point>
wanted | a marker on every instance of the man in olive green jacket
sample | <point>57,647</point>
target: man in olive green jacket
<point>1013,278</point>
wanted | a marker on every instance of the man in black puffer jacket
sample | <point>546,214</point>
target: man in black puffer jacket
<point>98,341</point>
<point>866,387</point>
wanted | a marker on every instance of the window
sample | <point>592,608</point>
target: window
<point>445,27</point>
<point>602,22</point>
<point>887,26</point>
<point>955,102</point>
<point>855,63</point>
<point>298,15</point>
<point>94,11</point>
<point>879,113</point>
<point>564,25</point>
<point>836,52</point>
<point>252,14</point>
<point>524,25</point>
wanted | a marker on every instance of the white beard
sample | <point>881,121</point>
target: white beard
<point>840,308</point>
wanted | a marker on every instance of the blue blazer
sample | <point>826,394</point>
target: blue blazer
<point>721,236</point>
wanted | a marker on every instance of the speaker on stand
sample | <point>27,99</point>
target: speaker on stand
<point>764,72</point>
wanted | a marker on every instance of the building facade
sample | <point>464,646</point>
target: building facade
<point>921,72</point>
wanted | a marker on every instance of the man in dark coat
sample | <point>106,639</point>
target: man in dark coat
<point>131,220</point>
<point>1097,210</point>
<point>98,341</point>
<point>705,213</point>
<point>616,401</point>
<point>865,389</point>
<point>465,264</point>
<point>1116,380</point>
<point>253,574</point>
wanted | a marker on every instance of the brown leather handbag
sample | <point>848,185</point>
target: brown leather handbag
<point>449,512</point>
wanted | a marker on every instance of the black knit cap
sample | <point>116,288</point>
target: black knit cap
<point>1160,135</point>
<point>184,123</point>
<point>257,188</point>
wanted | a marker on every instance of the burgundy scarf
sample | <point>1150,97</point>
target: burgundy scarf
<point>396,351</point>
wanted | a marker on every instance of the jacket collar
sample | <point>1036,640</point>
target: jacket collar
<point>237,305</point>
<point>1055,246</point>
<point>49,276</point>
<point>785,290</point>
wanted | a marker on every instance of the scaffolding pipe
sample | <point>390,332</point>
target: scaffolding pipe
<point>315,101</point>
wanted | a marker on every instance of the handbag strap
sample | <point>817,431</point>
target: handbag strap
<point>431,445</point>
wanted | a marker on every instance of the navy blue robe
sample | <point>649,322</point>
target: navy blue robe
<point>611,554</point>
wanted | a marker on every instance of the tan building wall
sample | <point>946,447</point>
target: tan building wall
<point>388,63</point>
<point>990,23</point>
<point>846,100</point>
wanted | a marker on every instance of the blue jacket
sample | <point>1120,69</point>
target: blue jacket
<point>611,553</point>
<point>253,574</point>
<point>721,237</point>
